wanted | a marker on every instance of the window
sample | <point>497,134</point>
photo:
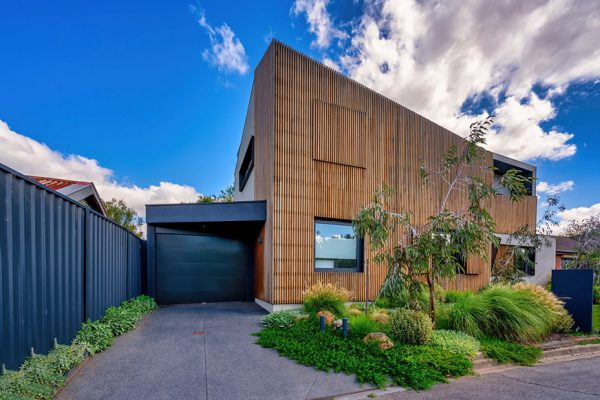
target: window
<point>461,268</point>
<point>502,166</point>
<point>336,247</point>
<point>525,259</point>
<point>247,165</point>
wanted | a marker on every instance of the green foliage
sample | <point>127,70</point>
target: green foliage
<point>40,375</point>
<point>125,216</point>
<point>502,312</point>
<point>452,296</point>
<point>328,297</point>
<point>508,352</point>
<point>596,294</point>
<point>279,319</point>
<point>224,196</point>
<point>95,336</point>
<point>456,342</point>
<point>596,317</point>
<point>418,367</point>
<point>432,251</point>
<point>361,325</point>
<point>410,327</point>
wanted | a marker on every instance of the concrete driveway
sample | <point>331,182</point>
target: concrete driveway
<point>199,351</point>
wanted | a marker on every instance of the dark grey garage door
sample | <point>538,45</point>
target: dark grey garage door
<point>194,268</point>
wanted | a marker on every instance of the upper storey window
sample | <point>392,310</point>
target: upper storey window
<point>504,164</point>
<point>247,165</point>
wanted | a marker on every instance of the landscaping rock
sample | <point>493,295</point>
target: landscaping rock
<point>384,342</point>
<point>329,317</point>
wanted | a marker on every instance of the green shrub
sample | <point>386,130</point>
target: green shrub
<point>507,352</point>
<point>40,374</point>
<point>514,314</point>
<point>455,342</point>
<point>410,327</point>
<point>94,336</point>
<point>401,298</point>
<point>279,319</point>
<point>452,296</point>
<point>596,294</point>
<point>418,367</point>
<point>142,304</point>
<point>121,319</point>
<point>328,297</point>
<point>361,325</point>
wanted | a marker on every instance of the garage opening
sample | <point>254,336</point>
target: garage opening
<point>202,252</point>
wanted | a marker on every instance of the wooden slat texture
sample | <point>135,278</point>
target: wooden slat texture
<point>324,143</point>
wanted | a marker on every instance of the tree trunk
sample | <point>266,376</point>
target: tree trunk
<point>431,284</point>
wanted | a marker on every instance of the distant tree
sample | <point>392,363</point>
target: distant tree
<point>125,216</point>
<point>587,234</point>
<point>224,196</point>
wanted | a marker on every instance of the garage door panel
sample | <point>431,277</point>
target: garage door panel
<point>195,268</point>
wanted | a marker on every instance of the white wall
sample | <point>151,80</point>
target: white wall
<point>248,192</point>
<point>544,259</point>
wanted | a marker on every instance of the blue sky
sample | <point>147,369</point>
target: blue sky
<point>138,86</point>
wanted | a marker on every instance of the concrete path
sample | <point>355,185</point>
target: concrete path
<point>200,351</point>
<point>573,380</point>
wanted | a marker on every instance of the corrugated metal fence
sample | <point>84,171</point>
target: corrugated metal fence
<point>60,264</point>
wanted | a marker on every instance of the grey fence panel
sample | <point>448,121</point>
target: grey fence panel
<point>134,272</point>
<point>60,263</point>
<point>106,266</point>
<point>41,274</point>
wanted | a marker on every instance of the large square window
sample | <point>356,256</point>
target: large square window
<point>337,249</point>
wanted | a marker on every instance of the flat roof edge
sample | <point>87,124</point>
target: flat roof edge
<point>242,211</point>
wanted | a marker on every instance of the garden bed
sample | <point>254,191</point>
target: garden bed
<point>505,324</point>
<point>40,376</point>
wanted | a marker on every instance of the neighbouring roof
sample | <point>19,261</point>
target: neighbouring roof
<point>81,191</point>
<point>565,244</point>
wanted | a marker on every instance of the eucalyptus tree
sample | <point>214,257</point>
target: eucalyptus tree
<point>431,251</point>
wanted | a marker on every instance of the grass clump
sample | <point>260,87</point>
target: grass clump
<point>563,322</point>
<point>418,367</point>
<point>360,326</point>
<point>410,327</point>
<point>328,297</point>
<point>524,313</point>
<point>279,319</point>
<point>596,317</point>
<point>40,375</point>
<point>456,342</point>
<point>508,352</point>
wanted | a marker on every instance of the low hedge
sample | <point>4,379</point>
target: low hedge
<point>40,375</point>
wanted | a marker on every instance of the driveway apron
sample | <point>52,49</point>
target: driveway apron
<point>200,351</point>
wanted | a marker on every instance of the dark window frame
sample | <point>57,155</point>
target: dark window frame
<point>360,247</point>
<point>246,166</point>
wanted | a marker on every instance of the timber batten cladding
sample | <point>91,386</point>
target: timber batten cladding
<point>324,143</point>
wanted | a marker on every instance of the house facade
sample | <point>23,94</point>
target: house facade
<point>314,147</point>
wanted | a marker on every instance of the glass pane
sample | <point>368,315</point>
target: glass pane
<point>335,246</point>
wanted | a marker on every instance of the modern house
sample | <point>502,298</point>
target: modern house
<point>314,147</point>
<point>83,192</point>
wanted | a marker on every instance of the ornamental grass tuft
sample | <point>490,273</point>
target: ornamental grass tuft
<point>328,297</point>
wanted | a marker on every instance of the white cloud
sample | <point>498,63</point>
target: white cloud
<point>227,52</point>
<point>319,21</point>
<point>575,214</point>
<point>31,157</point>
<point>433,56</point>
<point>554,189</point>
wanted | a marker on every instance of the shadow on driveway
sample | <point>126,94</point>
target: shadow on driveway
<point>200,351</point>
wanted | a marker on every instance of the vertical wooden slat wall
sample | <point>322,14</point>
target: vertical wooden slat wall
<point>324,143</point>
